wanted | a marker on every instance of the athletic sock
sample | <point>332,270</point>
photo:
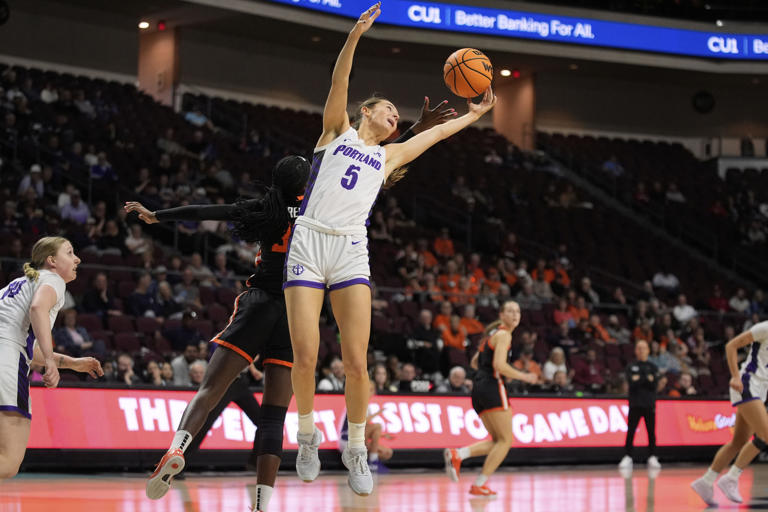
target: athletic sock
<point>373,457</point>
<point>480,480</point>
<point>181,440</point>
<point>463,452</point>
<point>356,435</point>
<point>734,472</point>
<point>710,476</point>
<point>263,495</point>
<point>307,423</point>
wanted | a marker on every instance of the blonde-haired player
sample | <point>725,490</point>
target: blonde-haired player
<point>28,309</point>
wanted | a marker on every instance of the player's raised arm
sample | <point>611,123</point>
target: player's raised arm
<point>399,155</point>
<point>335,117</point>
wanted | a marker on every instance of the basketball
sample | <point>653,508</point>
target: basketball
<point>468,72</point>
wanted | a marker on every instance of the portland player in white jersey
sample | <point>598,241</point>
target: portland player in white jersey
<point>749,389</point>
<point>328,248</point>
<point>28,309</point>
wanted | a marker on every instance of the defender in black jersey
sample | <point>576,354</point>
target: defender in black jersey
<point>489,399</point>
<point>257,327</point>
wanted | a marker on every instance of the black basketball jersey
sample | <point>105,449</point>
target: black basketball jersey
<point>485,357</point>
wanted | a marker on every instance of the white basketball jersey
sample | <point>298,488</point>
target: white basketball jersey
<point>346,178</point>
<point>15,301</point>
<point>757,360</point>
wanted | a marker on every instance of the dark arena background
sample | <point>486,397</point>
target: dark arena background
<point>618,191</point>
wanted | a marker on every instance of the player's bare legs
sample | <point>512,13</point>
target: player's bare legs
<point>14,435</point>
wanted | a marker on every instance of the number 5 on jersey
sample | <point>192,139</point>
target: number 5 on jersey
<point>349,180</point>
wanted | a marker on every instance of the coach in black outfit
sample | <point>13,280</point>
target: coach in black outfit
<point>643,378</point>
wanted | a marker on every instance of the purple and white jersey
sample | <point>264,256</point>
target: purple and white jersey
<point>757,360</point>
<point>346,178</point>
<point>15,301</point>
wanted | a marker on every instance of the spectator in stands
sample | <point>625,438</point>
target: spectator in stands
<point>599,333</point>
<point>619,297</point>
<point>588,292</point>
<point>195,117</point>
<point>467,291</point>
<point>83,105</point>
<point>643,331</point>
<point>701,353</point>
<point>663,360</point>
<point>521,273</point>
<point>33,180</point>
<point>99,299</point>
<point>683,312</point>
<point>662,326</point>
<point>739,302</point>
<point>683,387</point>
<point>183,335</point>
<point>460,190</point>
<point>527,299</point>
<point>509,247</point>
<point>125,373</point>
<point>407,380</point>
<point>141,302</point>
<point>103,170</point>
<point>541,270</point>
<point>753,319</point>
<point>455,336</point>
<point>563,314</point>
<point>525,363</point>
<point>186,292</point>
<point>136,242</point>
<point>16,251</point>
<point>334,381</point>
<point>74,339</point>
<point>469,321</point>
<point>561,384</point>
<point>202,274</point>
<point>166,372</point>
<point>456,383</point>
<point>380,378</point>
<point>591,374</point>
<point>755,233</point>
<point>422,247</point>
<point>757,304</point>
<point>555,363</point>
<point>674,195</point>
<point>426,353</point>
<point>182,363</point>
<point>617,331</point>
<point>167,144</point>
<point>487,298</point>
<point>76,211</point>
<point>666,281</point>
<point>579,309</point>
<point>111,241</point>
<point>153,375</point>
<point>717,302</point>
<point>541,288</point>
<point>444,245</point>
<point>613,167</point>
<point>49,94</point>
<point>196,373</point>
<point>562,338</point>
<point>641,196</point>
<point>582,333</point>
<point>443,319</point>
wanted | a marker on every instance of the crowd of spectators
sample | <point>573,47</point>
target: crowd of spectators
<point>428,318</point>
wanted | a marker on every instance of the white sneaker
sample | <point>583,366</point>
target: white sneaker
<point>653,462</point>
<point>705,491</point>
<point>360,479</point>
<point>307,461</point>
<point>730,487</point>
<point>626,462</point>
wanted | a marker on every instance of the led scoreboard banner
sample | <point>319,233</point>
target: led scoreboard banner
<point>547,27</point>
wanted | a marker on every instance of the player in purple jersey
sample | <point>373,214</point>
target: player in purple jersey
<point>328,248</point>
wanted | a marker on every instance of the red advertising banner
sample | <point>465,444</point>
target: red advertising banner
<point>77,418</point>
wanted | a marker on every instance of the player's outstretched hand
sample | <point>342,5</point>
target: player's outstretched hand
<point>144,214</point>
<point>432,116</point>
<point>489,100</point>
<point>51,375</point>
<point>367,18</point>
<point>88,365</point>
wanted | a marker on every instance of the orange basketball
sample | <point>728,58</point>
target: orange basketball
<point>468,72</point>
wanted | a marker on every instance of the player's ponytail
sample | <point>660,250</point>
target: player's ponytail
<point>267,220</point>
<point>394,177</point>
<point>43,248</point>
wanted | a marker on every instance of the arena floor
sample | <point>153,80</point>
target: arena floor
<point>562,489</point>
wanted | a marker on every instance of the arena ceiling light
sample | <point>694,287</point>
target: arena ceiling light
<point>505,72</point>
<point>143,25</point>
<point>719,23</point>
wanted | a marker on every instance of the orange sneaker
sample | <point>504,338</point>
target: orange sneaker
<point>452,463</point>
<point>482,490</point>
<point>169,466</point>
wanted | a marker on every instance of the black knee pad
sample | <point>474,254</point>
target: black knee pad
<point>759,443</point>
<point>271,430</point>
